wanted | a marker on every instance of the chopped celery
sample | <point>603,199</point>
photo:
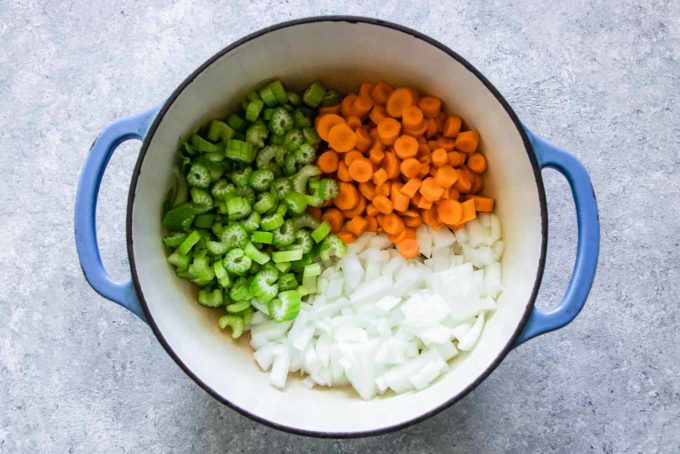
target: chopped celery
<point>262,237</point>
<point>287,256</point>
<point>255,254</point>
<point>321,231</point>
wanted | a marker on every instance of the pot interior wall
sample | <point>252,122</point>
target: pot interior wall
<point>342,54</point>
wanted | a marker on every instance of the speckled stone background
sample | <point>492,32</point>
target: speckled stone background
<point>600,78</point>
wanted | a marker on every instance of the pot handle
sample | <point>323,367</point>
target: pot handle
<point>134,127</point>
<point>582,277</point>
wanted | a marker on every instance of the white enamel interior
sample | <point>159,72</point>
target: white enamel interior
<point>342,54</point>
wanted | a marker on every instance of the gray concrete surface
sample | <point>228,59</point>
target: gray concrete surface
<point>80,374</point>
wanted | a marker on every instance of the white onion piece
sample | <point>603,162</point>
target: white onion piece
<point>470,338</point>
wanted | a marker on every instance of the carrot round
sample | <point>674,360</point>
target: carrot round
<point>404,234</point>
<point>446,176</point>
<point>361,170</point>
<point>347,197</point>
<point>357,225</point>
<point>381,92</point>
<point>450,211</point>
<point>328,161</point>
<point>363,139</point>
<point>483,203</point>
<point>361,106</point>
<point>346,104</point>
<point>424,169</point>
<point>440,120</point>
<point>406,147</point>
<point>423,150</point>
<point>477,162</point>
<point>410,167</point>
<point>328,110</point>
<point>383,204</point>
<point>334,217</point>
<point>377,113</point>
<point>413,222</point>
<point>391,165</point>
<point>371,210</point>
<point>469,211</point>
<point>399,200</point>
<point>408,248</point>
<point>463,185</point>
<point>451,126</point>
<point>341,138</point>
<point>430,106</point>
<point>314,211</point>
<point>353,122</point>
<point>431,219</point>
<point>456,158</point>
<point>357,210</point>
<point>367,189</point>
<point>324,124</point>
<point>376,154</point>
<point>388,130</point>
<point>380,176</point>
<point>365,89</point>
<point>383,189</point>
<point>411,187</point>
<point>371,223</point>
<point>399,100</point>
<point>418,131</point>
<point>431,130</point>
<point>343,172</point>
<point>412,117</point>
<point>477,184</point>
<point>392,224</point>
<point>350,156</point>
<point>347,237</point>
<point>467,141</point>
<point>439,157</point>
<point>446,143</point>
<point>430,190</point>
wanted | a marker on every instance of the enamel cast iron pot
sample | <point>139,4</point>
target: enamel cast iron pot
<point>342,52</point>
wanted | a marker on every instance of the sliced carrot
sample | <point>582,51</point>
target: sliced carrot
<point>314,211</point>
<point>430,218</point>
<point>341,138</point>
<point>392,224</point>
<point>328,161</point>
<point>383,204</point>
<point>345,106</point>
<point>446,143</point>
<point>430,106</point>
<point>477,162</point>
<point>371,210</point>
<point>408,248</point>
<point>357,210</point>
<point>451,126</point>
<point>373,132</point>
<point>379,176</point>
<point>324,123</point>
<point>446,176</point>
<point>425,204</point>
<point>433,144</point>
<point>347,197</point>
<point>343,172</point>
<point>431,130</point>
<point>376,155</point>
<point>449,211</point>
<point>483,203</point>
<point>367,189</point>
<point>462,184</point>
<point>399,100</point>
<point>350,156</point>
<point>335,218</point>
<point>328,110</point>
<point>439,157</point>
<point>413,222</point>
<point>353,122</point>
<point>347,237</point>
<point>469,210</point>
<point>433,171</point>
<point>364,140</point>
<point>357,225</point>
<point>410,167</point>
<point>440,120</point>
<point>467,141</point>
<point>424,170</point>
<point>477,184</point>
<point>391,165</point>
<point>366,89</point>
<point>417,132</point>
<point>411,187</point>
<point>399,200</point>
<point>423,150</point>
<point>456,159</point>
<point>430,190</point>
<point>388,130</point>
<point>381,92</point>
<point>412,117</point>
<point>371,223</point>
<point>407,233</point>
<point>377,113</point>
<point>361,170</point>
<point>415,200</point>
<point>383,189</point>
<point>361,106</point>
<point>406,147</point>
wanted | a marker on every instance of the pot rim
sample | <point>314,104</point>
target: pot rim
<point>530,154</point>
